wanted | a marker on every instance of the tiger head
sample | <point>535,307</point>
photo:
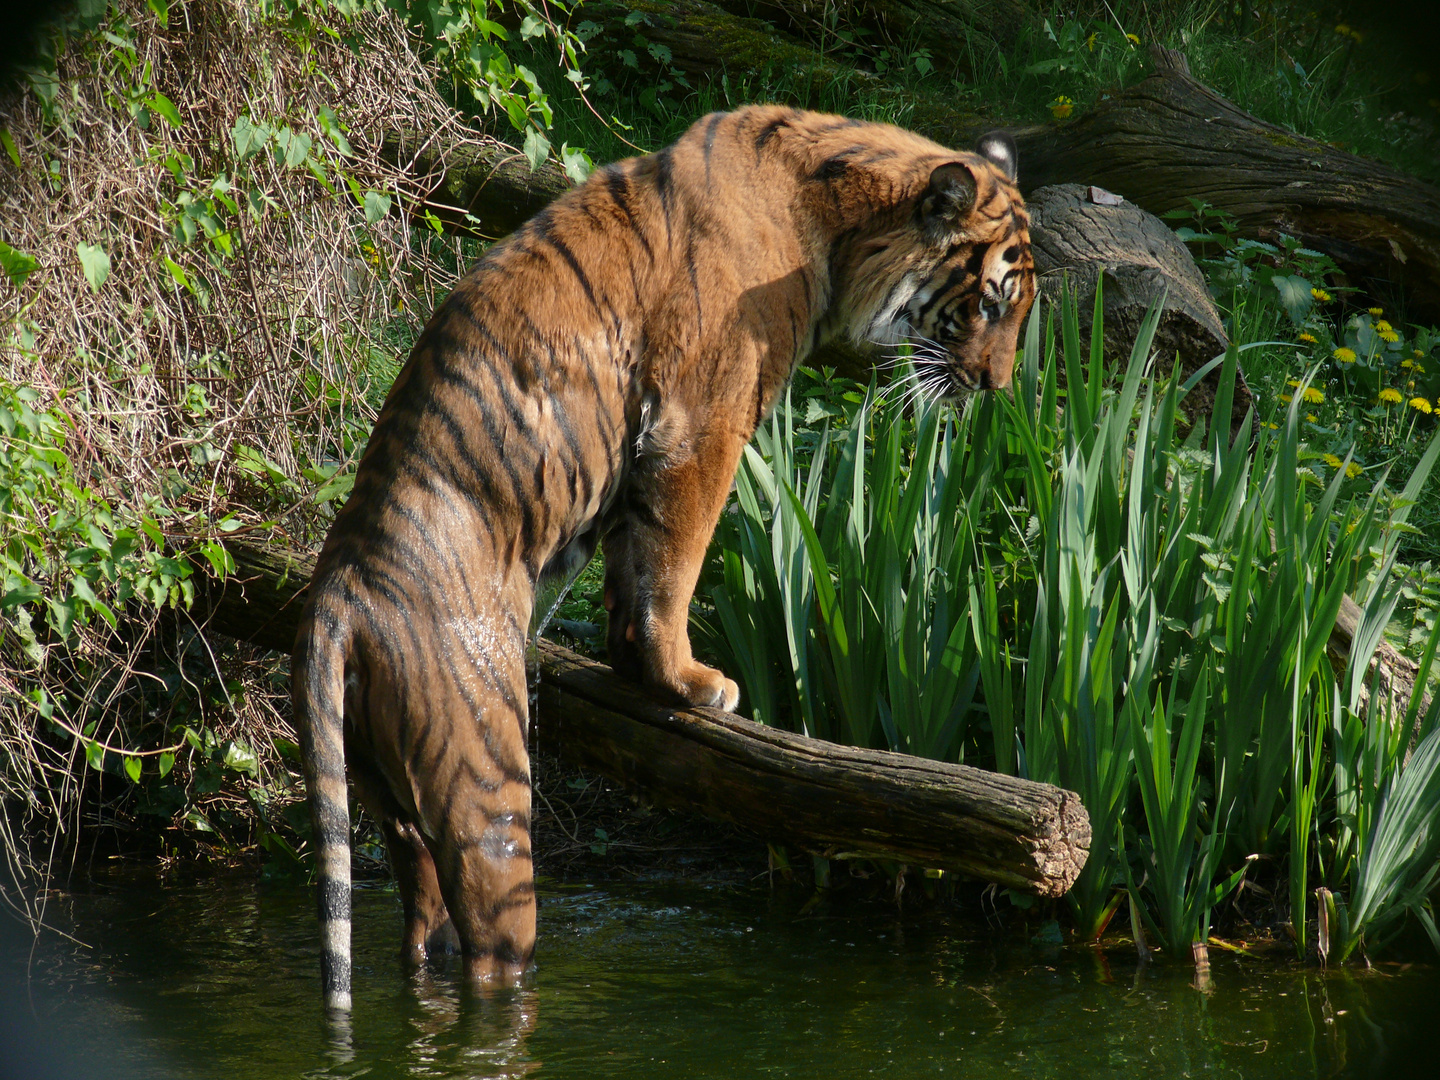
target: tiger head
<point>955,280</point>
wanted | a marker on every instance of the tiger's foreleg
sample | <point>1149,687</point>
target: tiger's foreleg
<point>653,560</point>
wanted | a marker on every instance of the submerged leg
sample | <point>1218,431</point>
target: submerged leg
<point>428,929</point>
<point>488,877</point>
<point>427,924</point>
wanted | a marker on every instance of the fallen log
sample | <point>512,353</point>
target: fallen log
<point>841,802</point>
<point>953,31</point>
<point>836,801</point>
<point>1156,143</point>
<point>1170,137</point>
<point>477,187</point>
<point>1084,235</point>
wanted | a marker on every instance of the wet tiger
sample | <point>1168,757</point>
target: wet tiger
<point>592,381</point>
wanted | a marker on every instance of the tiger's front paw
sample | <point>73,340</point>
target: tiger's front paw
<point>704,686</point>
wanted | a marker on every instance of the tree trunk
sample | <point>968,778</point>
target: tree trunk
<point>836,801</point>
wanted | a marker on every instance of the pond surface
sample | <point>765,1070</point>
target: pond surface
<point>219,978</point>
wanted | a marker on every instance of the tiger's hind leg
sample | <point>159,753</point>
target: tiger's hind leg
<point>476,805</point>
<point>428,928</point>
<point>486,871</point>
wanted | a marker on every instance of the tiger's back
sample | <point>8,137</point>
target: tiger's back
<point>593,381</point>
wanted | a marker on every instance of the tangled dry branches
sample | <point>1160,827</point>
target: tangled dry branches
<point>263,284</point>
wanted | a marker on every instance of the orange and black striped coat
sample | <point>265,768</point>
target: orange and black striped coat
<point>593,381</point>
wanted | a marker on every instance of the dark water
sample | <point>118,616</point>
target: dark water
<point>218,978</point>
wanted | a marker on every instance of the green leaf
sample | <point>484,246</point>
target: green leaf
<point>132,768</point>
<point>296,145</point>
<point>249,137</point>
<point>16,264</point>
<point>177,272</point>
<point>92,12</point>
<point>9,144</point>
<point>165,107</point>
<point>95,755</point>
<point>241,758</point>
<point>1294,296</point>
<point>95,264</point>
<point>152,530</point>
<point>537,148</point>
<point>167,762</point>
<point>576,163</point>
<point>161,8</point>
<point>376,206</point>
<point>335,488</point>
<point>221,561</point>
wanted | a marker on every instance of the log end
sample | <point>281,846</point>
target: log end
<point>1063,853</point>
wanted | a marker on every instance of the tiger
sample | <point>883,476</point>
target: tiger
<point>592,381</point>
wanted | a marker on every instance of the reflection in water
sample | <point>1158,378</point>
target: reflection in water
<point>219,979</point>
<point>471,1032</point>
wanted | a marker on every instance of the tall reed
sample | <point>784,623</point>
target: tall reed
<point>1064,585</point>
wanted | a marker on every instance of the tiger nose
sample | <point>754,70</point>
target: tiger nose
<point>988,379</point>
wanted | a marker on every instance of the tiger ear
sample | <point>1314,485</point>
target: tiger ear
<point>999,149</point>
<point>949,197</point>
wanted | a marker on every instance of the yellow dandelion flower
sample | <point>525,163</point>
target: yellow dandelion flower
<point>1343,30</point>
<point>1344,355</point>
<point>1061,107</point>
<point>1389,337</point>
<point>1132,39</point>
<point>1417,354</point>
<point>1420,404</point>
<point>1293,382</point>
<point>1380,324</point>
<point>1310,416</point>
<point>1376,311</point>
<point>1320,295</point>
<point>1090,41</point>
<point>1308,339</point>
<point>1352,470</point>
<point>1285,399</point>
<point>1313,396</point>
<point>1356,36</point>
<point>1390,396</point>
<point>1332,461</point>
<point>1407,363</point>
<point>1273,427</point>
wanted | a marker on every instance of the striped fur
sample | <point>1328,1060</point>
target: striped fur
<point>593,381</point>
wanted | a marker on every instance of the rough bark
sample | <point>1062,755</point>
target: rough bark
<point>836,801</point>
<point>1170,137</point>
<point>1164,139</point>
<point>1083,235</point>
<point>952,30</point>
<point>480,188</point>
